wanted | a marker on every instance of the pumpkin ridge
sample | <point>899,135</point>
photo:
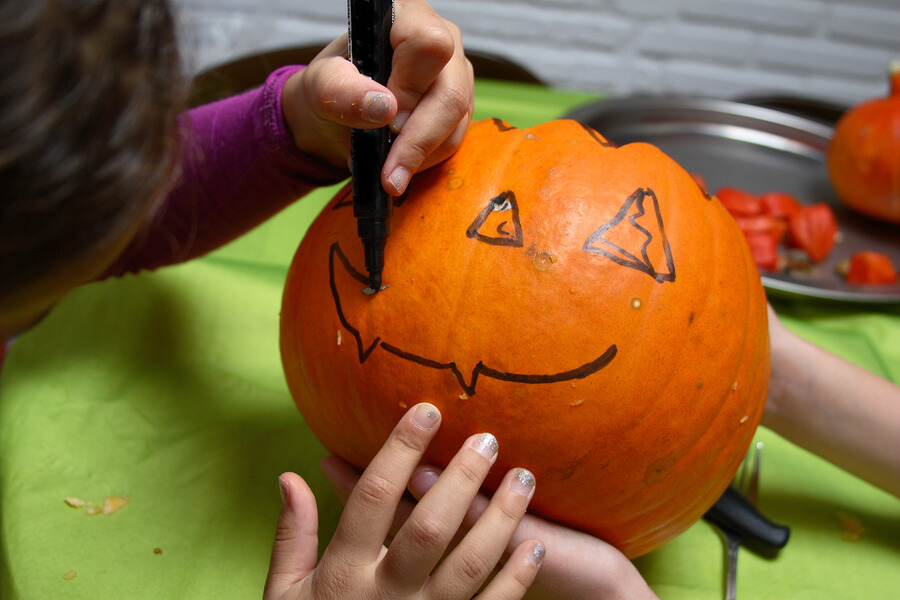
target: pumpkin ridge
<point>595,135</point>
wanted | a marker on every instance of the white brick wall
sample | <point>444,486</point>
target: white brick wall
<point>835,50</point>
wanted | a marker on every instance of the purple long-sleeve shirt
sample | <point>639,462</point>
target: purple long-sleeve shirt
<point>238,167</point>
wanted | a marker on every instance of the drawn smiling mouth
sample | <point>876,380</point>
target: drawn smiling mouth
<point>480,369</point>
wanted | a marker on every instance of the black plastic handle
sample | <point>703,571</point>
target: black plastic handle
<point>734,513</point>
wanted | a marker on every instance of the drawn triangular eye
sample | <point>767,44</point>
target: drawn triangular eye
<point>498,223</point>
<point>625,238</point>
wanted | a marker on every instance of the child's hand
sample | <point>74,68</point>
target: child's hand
<point>356,563</point>
<point>578,566</point>
<point>428,98</point>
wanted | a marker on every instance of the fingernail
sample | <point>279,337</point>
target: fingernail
<point>284,489</point>
<point>376,107</point>
<point>399,120</point>
<point>537,553</point>
<point>399,178</point>
<point>422,482</point>
<point>425,416</point>
<point>485,444</point>
<point>523,483</point>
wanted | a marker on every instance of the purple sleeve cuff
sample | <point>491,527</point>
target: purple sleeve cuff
<point>279,139</point>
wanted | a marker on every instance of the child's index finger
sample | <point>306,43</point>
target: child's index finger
<point>369,512</point>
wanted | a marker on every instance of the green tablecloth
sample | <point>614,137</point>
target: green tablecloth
<point>167,388</point>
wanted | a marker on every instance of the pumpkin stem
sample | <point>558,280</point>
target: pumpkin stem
<point>894,76</point>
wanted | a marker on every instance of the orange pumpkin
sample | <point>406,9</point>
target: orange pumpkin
<point>590,306</point>
<point>863,157</point>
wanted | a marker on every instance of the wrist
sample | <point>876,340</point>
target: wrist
<point>792,388</point>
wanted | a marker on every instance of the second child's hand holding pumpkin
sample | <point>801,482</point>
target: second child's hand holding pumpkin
<point>356,563</point>
<point>578,566</point>
<point>428,99</point>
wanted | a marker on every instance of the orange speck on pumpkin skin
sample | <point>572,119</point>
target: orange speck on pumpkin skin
<point>542,261</point>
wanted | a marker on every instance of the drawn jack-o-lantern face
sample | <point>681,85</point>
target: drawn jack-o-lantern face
<point>590,306</point>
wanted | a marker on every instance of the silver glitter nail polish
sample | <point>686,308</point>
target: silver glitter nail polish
<point>486,445</point>
<point>522,483</point>
<point>537,553</point>
<point>526,478</point>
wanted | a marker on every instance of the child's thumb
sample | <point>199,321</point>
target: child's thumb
<point>296,546</point>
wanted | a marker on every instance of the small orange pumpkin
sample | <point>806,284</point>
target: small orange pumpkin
<point>590,306</point>
<point>863,157</point>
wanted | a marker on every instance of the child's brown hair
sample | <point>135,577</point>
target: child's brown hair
<point>89,95</point>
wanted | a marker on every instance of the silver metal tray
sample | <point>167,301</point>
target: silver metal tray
<point>757,149</point>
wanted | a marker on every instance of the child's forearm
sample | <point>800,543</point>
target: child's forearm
<point>238,167</point>
<point>835,409</point>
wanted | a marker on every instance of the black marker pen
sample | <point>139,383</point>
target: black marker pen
<point>370,51</point>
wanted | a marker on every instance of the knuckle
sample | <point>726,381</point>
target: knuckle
<point>415,151</point>
<point>373,489</point>
<point>455,101</point>
<point>474,566</point>
<point>428,530</point>
<point>408,442</point>
<point>469,472</point>
<point>510,512</point>
<point>435,42</point>
<point>284,533</point>
<point>454,31</point>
